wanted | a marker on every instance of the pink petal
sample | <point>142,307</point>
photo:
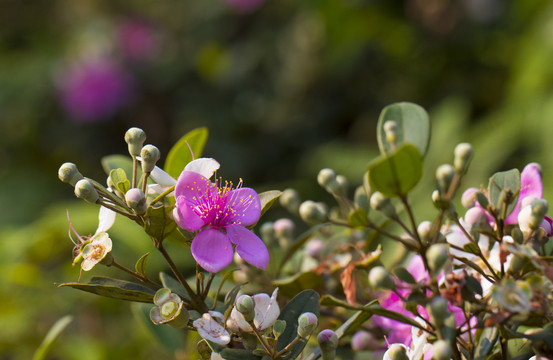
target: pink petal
<point>186,217</point>
<point>249,246</point>
<point>530,185</point>
<point>194,187</point>
<point>212,250</point>
<point>247,205</point>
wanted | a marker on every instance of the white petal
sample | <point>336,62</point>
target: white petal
<point>162,178</point>
<point>266,310</point>
<point>210,329</point>
<point>203,166</point>
<point>238,323</point>
<point>106,218</point>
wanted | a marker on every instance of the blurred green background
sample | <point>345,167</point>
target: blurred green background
<point>285,87</point>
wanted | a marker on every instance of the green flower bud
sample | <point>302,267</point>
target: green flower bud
<point>379,278</point>
<point>68,173</point>
<point>342,189</point>
<point>390,129</point>
<point>397,352</point>
<point>438,257</point>
<point>150,155</point>
<point>326,177</point>
<point>360,199</point>
<point>540,208</point>
<point>444,176</point>
<point>313,213</point>
<point>307,322</point>
<point>438,310</point>
<point>463,154</point>
<point>381,203</point>
<point>136,200</point>
<point>84,189</point>
<point>135,138</point>
<point>439,201</point>
<point>423,230</point>
<point>267,231</point>
<point>442,350</point>
<point>328,342</point>
<point>290,200</point>
<point>246,306</point>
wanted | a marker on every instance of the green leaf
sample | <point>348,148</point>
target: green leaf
<point>171,339</point>
<point>486,342</point>
<point>141,264</point>
<point>119,179</point>
<point>398,173</point>
<point>158,223</point>
<point>404,275</point>
<point>180,155</point>
<point>505,180</point>
<point>115,288</point>
<point>471,248</point>
<point>51,336</point>
<point>172,284</point>
<point>372,308</point>
<point>358,218</point>
<point>306,301</point>
<point>267,199</point>
<point>112,162</point>
<point>232,354</point>
<point>294,284</point>
<point>413,127</point>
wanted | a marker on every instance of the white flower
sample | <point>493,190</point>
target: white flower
<point>210,329</point>
<point>266,313</point>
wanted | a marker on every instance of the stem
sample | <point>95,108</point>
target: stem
<point>269,350</point>
<point>208,286</point>
<point>119,211</point>
<point>287,347</point>
<point>200,306</point>
<point>134,171</point>
<point>135,274</point>
<point>163,194</point>
<point>411,217</point>
<point>145,182</point>
<point>378,229</point>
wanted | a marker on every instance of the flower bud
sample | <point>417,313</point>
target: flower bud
<point>438,257</point>
<point>342,188</point>
<point>290,200</point>
<point>284,228</point>
<point>390,129</point>
<point>397,352</point>
<point>439,310</point>
<point>379,278</point>
<point>150,155</point>
<point>468,199</point>
<point>444,176</point>
<point>313,213</point>
<point>68,173</point>
<point>439,201</point>
<point>328,342</point>
<point>135,138</point>
<point>267,231</point>
<point>463,154</point>
<point>136,200</point>
<point>307,322</point>
<point>442,350</point>
<point>423,230</point>
<point>326,177</point>
<point>381,203</point>
<point>360,199</point>
<point>314,247</point>
<point>84,189</point>
<point>246,306</point>
<point>363,340</point>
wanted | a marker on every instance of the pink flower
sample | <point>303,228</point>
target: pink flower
<point>139,41</point>
<point>94,90</point>
<point>220,214</point>
<point>530,185</point>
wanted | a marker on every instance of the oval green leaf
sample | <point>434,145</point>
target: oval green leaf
<point>306,301</point>
<point>267,199</point>
<point>413,127</point>
<point>505,180</point>
<point>115,288</point>
<point>180,154</point>
<point>398,173</point>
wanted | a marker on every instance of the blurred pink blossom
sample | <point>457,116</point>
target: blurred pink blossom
<point>139,41</point>
<point>94,90</point>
